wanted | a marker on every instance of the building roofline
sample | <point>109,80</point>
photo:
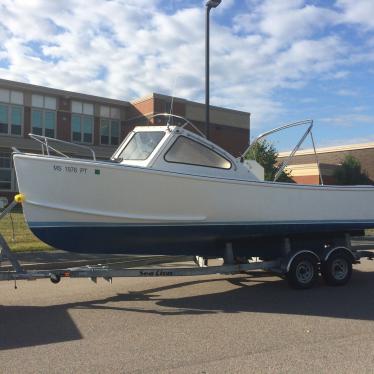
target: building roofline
<point>141,99</point>
<point>341,148</point>
<point>53,91</point>
<point>77,95</point>
<point>155,95</point>
<point>219,108</point>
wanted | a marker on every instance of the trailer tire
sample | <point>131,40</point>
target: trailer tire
<point>337,269</point>
<point>55,278</point>
<point>303,271</point>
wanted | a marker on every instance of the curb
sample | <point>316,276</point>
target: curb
<point>363,239</point>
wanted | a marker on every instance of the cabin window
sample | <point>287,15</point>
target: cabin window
<point>141,145</point>
<point>187,151</point>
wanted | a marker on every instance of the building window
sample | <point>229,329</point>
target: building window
<point>16,120</point>
<point>11,112</point>
<point>5,172</point>
<point>82,128</point>
<point>41,101</point>
<point>82,122</point>
<point>109,131</point>
<point>43,122</point>
<point>11,119</point>
<point>43,119</point>
<point>4,110</point>
<point>82,108</point>
<point>109,112</point>
<point>109,125</point>
<point>11,97</point>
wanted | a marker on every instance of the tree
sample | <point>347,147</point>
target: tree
<point>351,173</point>
<point>266,155</point>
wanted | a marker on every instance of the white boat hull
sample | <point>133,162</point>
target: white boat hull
<point>88,206</point>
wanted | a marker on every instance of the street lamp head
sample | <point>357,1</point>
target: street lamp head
<point>213,3</point>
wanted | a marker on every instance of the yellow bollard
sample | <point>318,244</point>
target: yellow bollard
<point>19,198</point>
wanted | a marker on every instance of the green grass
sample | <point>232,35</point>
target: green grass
<point>370,232</point>
<point>25,240</point>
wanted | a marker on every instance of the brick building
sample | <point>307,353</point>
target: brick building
<point>98,122</point>
<point>303,168</point>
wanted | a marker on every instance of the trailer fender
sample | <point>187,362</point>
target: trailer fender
<point>290,258</point>
<point>345,250</point>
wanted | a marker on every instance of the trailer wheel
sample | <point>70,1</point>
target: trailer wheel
<point>303,272</point>
<point>337,270</point>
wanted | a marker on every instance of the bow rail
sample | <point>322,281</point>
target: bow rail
<point>46,147</point>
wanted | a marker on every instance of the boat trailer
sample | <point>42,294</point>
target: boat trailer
<point>300,267</point>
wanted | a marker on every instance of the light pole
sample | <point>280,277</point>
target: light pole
<point>209,5</point>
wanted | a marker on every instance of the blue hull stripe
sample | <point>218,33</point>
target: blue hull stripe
<point>178,239</point>
<point>367,223</point>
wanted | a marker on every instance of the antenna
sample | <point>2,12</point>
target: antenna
<point>172,101</point>
<point>174,82</point>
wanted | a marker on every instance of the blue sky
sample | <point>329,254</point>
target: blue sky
<point>280,60</point>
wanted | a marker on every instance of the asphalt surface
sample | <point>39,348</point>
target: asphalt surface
<point>205,324</point>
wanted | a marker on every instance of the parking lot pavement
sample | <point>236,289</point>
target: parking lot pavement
<point>208,324</point>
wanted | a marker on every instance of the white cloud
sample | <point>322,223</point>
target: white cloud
<point>127,48</point>
<point>225,5</point>
<point>340,74</point>
<point>286,21</point>
<point>359,12</point>
<point>349,120</point>
<point>347,92</point>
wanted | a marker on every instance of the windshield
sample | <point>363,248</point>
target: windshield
<point>141,145</point>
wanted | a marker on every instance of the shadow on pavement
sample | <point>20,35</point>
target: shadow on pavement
<point>24,326</point>
<point>353,301</point>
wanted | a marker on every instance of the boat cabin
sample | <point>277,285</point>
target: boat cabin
<point>176,149</point>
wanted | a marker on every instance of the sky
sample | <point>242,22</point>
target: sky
<point>280,60</point>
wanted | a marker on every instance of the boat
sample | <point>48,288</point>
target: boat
<point>169,190</point>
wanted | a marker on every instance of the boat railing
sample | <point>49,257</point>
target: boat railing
<point>47,148</point>
<point>185,120</point>
<point>284,164</point>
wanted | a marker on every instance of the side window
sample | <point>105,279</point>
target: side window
<point>187,151</point>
